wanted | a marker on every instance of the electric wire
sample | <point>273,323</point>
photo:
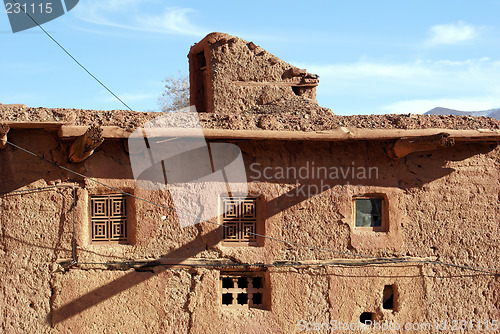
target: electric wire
<point>383,259</point>
<point>73,240</point>
<point>185,213</point>
<point>76,61</point>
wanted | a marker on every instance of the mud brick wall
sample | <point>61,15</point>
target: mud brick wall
<point>441,205</point>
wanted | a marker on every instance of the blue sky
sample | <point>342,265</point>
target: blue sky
<point>373,57</point>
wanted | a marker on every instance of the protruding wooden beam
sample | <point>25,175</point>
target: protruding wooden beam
<point>404,146</point>
<point>69,132</point>
<point>84,146</point>
<point>4,129</point>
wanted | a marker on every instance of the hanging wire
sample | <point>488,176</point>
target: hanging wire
<point>75,60</point>
<point>73,240</point>
<point>383,260</point>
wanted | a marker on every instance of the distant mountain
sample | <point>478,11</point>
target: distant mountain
<point>495,113</point>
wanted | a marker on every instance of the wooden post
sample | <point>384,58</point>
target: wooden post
<point>84,146</point>
<point>4,129</point>
<point>404,146</point>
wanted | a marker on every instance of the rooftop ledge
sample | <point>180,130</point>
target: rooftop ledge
<point>338,134</point>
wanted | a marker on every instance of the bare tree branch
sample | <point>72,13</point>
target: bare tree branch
<point>176,94</point>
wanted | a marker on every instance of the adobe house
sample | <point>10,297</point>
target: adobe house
<point>350,222</point>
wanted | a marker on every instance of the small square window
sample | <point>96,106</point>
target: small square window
<point>240,219</point>
<point>369,212</point>
<point>108,217</point>
<point>241,290</point>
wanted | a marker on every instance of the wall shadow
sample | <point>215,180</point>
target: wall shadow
<point>129,280</point>
<point>310,171</point>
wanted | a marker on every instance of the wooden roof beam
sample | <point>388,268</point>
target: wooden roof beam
<point>404,146</point>
<point>338,134</point>
<point>84,146</point>
<point>4,129</point>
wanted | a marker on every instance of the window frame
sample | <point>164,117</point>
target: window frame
<point>235,290</point>
<point>258,225</point>
<point>108,219</point>
<point>384,227</point>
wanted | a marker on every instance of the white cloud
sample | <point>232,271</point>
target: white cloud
<point>135,15</point>
<point>367,69</point>
<point>451,33</point>
<point>468,72</point>
<point>462,62</point>
<point>174,20</point>
<point>416,87</point>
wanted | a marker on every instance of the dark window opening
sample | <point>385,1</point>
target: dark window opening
<point>245,289</point>
<point>242,298</point>
<point>366,318</point>
<point>242,283</point>
<point>257,298</point>
<point>198,89</point>
<point>227,298</point>
<point>257,282</point>
<point>227,283</point>
<point>388,297</point>
<point>203,60</point>
<point>368,212</point>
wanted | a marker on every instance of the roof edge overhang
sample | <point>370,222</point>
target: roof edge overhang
<point>66,131</point>
<point>339,134</point>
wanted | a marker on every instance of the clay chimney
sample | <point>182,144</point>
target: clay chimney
<point>230,75</point>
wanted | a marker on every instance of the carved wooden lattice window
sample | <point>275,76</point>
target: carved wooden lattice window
<point>240,219</point>
<point>240,290</point>
<point>109,217</point>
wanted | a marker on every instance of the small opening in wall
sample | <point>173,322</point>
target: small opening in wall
<point>242,298</point>
<point>243,290</point>
<point>388,297</point>
<point>199,65</point>
<point>306,91</point>
<point>242,282</point>
<point>202,60</point>
<point>257,283</point>
<point>366,318</point>
<point>227,283</point>
<point>227,298</point>
<point>257,298</point>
